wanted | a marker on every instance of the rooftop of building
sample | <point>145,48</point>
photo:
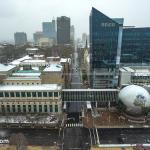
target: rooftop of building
<point>137,70</point>
<point>53,67</point>
<point>24,78</point>
<point>32,49</point>
<point>27,73</point>
<point>40,87</point>
<point>18,61</point>
<point>34,61</point>
<point>4,67</point>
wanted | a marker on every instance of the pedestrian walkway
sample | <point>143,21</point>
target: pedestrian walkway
<point>70,125</point>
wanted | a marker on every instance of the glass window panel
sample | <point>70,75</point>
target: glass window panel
<point>40,108</point>
<point>39,94</point>
<point>45,108</point>
<point>6,94</point>
<point>50,94</point>
<point>50,108</point>
<point>28,94</point>
<point>23,94</point>
<point>35,108</point>
<point>1,94</point>
<point>56,108</point>
<point>24,108</point>
<point>33,94</point>
<point>12,94</point>
<point>55,94</point>
<point>17,94</point>
<point>44,94</point>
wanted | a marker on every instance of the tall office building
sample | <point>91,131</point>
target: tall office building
<point>49,29</point>
<point>136,45</point>
<point>105,49</point>
<point>72,34</point>
<point>63,30</point>
<point>37,36</point>
<point>20,38</point>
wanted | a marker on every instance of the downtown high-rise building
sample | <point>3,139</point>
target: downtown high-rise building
<point>49,29</point>
<point>20,38</point>
<point>63,30</point>
<point>72,34</point>
<point>136,45</point>
<point>37,36</point>
<point>105,49</point>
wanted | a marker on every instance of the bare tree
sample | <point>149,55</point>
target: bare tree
<point>19,140</point>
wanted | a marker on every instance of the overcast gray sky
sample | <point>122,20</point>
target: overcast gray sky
<point>27,15</point>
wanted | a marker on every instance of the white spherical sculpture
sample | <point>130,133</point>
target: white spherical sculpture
<point>135,98</point>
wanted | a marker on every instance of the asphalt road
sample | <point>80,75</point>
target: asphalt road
<point>123,136</point>
<point>34,137</point>
<point>76,138</point>
<point>76,83</point>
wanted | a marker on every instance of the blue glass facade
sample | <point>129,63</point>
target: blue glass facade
<point>103,40</point>
<point>136,45</point>
<point>104,37</point>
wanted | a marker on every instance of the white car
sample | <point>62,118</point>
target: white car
<point>6,141</point>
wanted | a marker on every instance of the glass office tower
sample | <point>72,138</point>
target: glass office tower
<point>105,49</point>
<point>136,45</point>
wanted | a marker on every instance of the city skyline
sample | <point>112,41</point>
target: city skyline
<point>20,14</point>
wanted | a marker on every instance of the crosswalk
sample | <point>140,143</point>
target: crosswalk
<point>74,125</point>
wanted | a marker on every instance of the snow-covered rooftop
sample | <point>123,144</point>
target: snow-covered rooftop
<point>22,78</point>
<point>26,74</point>
<point>32,49</point>
<point>40,87</point>
<point>53,68</point>
<point>4,68</point>
<point>18,61</point>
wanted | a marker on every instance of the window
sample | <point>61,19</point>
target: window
<point>50,108</point>
<point>6,94</point>
<point>40,108</point>
<point>50,94</point>
<point>56,108</point>
<point>45,108</point>
<point>13,108</point>
<point>1,94</point>
<point>39,94</point>
<point>8,108</point>
<point>17,94</point>
<point>12,94</point>
<point>19,108</point>
<point>24,108</point>
<point>33,94</point>
<point>55,94</point>
<point>29,108</point>
<point>44,94</point>
<point>3,108</point>
<point>28,94</point>
<point>23,94</point>
<point>35,108</point>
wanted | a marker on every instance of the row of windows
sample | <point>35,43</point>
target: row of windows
<point>22,83</point>
<point>29,108</point>
<point>29,94</point>
<point>100,96</point>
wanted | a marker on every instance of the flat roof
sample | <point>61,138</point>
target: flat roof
<point>34,61</point>
<point>40,87</point>
<point>32,49</point>
<point>6,67</point>
<point>129,69</point>
<point>54,67</point>
<point>18,61</point>
<point>22,78</point>
<point>33,74</point>
<point>88,90</point>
